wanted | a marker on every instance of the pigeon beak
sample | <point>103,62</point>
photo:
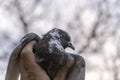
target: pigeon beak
<point>71,46</point>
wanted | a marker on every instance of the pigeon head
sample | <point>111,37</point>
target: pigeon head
<point>59,38</point>
<point>65,39</point>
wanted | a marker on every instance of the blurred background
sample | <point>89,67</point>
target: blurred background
<point>94,26</point>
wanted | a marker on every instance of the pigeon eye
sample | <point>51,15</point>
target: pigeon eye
<point>62,35</point>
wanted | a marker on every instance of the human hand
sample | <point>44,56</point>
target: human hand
<point>28,67</point>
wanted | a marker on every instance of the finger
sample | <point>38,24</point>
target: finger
<point>29,46</point>
<point>24,75</point>
<point>62,73</point>
<point>26,59</point>
<point>27,54</point>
